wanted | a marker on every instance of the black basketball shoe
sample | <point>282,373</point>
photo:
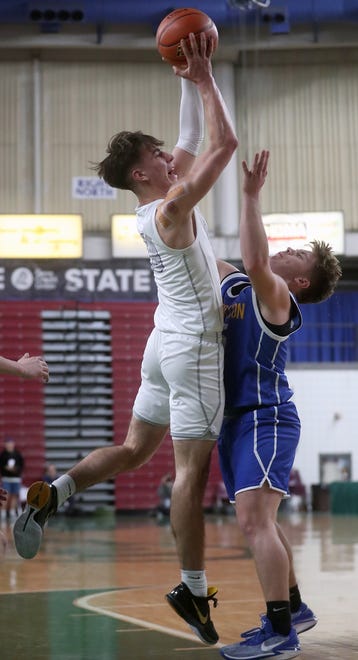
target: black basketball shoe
<point>195,611</point>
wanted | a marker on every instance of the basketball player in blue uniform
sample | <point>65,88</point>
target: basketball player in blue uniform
<point>261,426</point>
<point>182,368</point>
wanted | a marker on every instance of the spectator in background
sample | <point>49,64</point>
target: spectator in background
<point>164,493</point>
<point>3,540</point>
<point>297,491</point>
<point>3,496</point>
<point>50,473</point>
<point>296,499</point>
<point>69,507</point>
<point>11,467</point>
<point>222,504</point>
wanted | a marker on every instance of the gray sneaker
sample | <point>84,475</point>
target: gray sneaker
<point>28,529</point>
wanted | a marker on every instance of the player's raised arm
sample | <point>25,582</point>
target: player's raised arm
<point>191,128</point>
<point>175,26</point>
<point>187,192</point>
<point>271,289</point>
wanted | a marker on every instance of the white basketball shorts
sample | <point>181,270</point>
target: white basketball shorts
<point>182,384</point>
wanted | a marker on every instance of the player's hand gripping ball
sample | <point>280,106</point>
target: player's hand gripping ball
<point>178,25</point>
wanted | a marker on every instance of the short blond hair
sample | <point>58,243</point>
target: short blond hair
<point>324,275</point>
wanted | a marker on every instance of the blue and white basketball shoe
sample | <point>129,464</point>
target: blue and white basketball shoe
<point>265,643</point>
<point>302,620</point>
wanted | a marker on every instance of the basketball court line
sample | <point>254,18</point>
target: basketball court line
<point>85,603</point>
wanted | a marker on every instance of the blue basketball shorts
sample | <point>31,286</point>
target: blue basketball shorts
<point>259,446</point>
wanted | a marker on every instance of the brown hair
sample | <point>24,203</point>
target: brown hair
<point>124,150</point>
<point>324,276</point>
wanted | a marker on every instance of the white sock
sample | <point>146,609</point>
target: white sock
<point>65,487</point>
<point>196,581</point>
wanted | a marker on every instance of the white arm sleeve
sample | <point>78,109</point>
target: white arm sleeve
<point>191,118</point>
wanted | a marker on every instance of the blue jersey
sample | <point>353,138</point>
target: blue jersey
<point>255,351</point>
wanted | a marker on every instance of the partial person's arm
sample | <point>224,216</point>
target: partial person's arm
<point>174,214</point>
<point>222,140</point>
<point>271,289</point>
<point>33,367</point>
<point>225,268</point>
<point>191,128</point>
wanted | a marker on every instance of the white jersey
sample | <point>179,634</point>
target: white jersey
<point>187,280</point>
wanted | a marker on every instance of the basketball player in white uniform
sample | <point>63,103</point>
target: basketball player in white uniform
<point>182,366</point>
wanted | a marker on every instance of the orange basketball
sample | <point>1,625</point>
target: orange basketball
<point>176,26</point>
